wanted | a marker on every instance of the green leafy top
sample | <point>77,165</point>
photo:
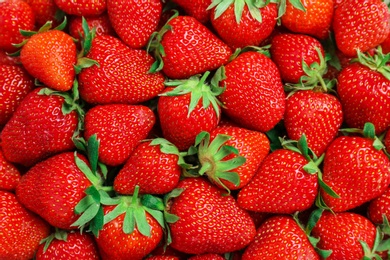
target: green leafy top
<point>377,62</point>
<point>283,3</point>
<point>58,234</point>
<point>368,131</point>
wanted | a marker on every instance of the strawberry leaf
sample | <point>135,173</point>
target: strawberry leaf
<point>129,221</point>
<point>141,222</point>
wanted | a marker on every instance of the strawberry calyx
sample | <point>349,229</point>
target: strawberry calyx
<point>58,234</point>
<point>368,131</point>
<point>283,3</point>
<point>379,245</point>
<point>199,89</point>
<point>376,62</point>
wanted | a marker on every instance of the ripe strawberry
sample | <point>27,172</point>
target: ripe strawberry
<point>210,221</point>
<point>249,25</point>
<point>15,15</point>
<point>289,52</point>
<point>134,21</point>
<point>9,174</point>
<point>162,257</point>
<point>15,84</point>
<point>38,129</point>
<point>387,141</point>
<point>119,128</point>
<point>101,24</point>
<point>21,230</point>
<point>82,7</point>
<point>378,207</point>
<point>254,96</point>
<point>343,233</point>
<point>65,245</point>
<point>197,9</point>
<point>122,75</point>
<point>44,11</point>
<point>280,237</point>
<point>371,17</point>
<point>189,48</point>
<point>206,257</point>
<point>356,171</point>
<point>153,166</point>
<point>6,59</point>
<point>311,17</point>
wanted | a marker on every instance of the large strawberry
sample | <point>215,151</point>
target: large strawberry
<point>21,230</point>
<point>243,23</point>
<point>185,47</point>
<point>38,129</point>
<point>360,24</point>
<point>134,20</point>
<point>254,96</point>
<point>82,7</point>
<point>122,75</point>
<point>210,221</point>
<point>9,174</point>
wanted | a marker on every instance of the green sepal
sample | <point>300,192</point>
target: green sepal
<point>370,253</point>
<point>141,222</point>
<point>97,222</point>
<point>169,148</point>
<point>368,131</point>
<point>377,62</point>
<point>58,234</point>
<point>152,202</point>
<point>157,215</point>
<point>295,3</point>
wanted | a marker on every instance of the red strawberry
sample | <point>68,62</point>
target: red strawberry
<point>153,166</point>
<point>101,24</point>
<point>189,48</point>
<point>6,59</point>
<point>254,96</point>
<point>280,237</point>
<point>82,7</point>
<point>15,84</point>
<point>15,15</point>
<point>134,21</point>
<point>311,17</point>
<point>197,9</point>
<point>50,56</point>
<point>122,75</point>
<point>44,11</point>
<point>210,221</point>
<point>38,129</point>
<point>162,257</point>
<point>206,257</point>
<point>64,245</point>
<point>9,174</point>
<point>343,233</point>
<point>21,230</point>
<point>356,171</point>
<point>360,24</point>
<point>119,128</point>
<point>378,207</point>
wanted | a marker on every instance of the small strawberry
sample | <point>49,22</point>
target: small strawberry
<point>21,230</point>
<point>134,21</point>
<point>82,7</point>
<point>197,9</point>
<point>184,47</point>
<point>44,11</point>
<point>379,207</point>
<point>122,75</point>
<point>119,128</point>
<point>210,221</point>
<point>243,23</point>
<point>360,25</point>
<point>9,174</point>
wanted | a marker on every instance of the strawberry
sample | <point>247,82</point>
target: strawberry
<point>308,17</point>
<point>387,141</point>
<point>153,166</point>
<point>280,237</point>
<point>197,9</point>
<point>210,221</point>
<point>371,17</point>
<point>9,174</point>
<point>363,88</point>
<point>38,129</point>
<point>21,230</point>
<point>6,59</point>
<point>206,257</point>
<point>15,15</point>
<point>249,24</point>
<point>343,233</point>
<point>356,171</point>
<point>122,75</point>
<point>82,7</point>
<point>119,128</point>
<point>68,245</point>
<point>101,23</point>
<point>188,109</point>
<point>15,84</point>
<point>44,11</point>
<point>184,47</point>
<point>254,97</point>
<point>134,21</point>
<point>379,207</point>
<point>162,257</point>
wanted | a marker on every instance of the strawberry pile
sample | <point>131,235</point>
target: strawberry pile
<point>204,129</point>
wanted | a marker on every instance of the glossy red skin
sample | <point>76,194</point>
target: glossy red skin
<point>16,15</point>
<point>206,257</point>
<point>210,220</point>
<point>21,230</point>
<point>9,174</point>
<point>364,95</point>
<point>77,246</point>
<point>356,171</point>
<point>280,237</point>
<point>387,141</point>
<point>179,128</point>
<point>191,48</point>
<point>196,9</point>
<point>378,207</point>
<point>44,10</point>
<point>121,75</point>
<point>52,188</point>
<point>341,233</point>
<point>249,31</point>
<point>82,7</point>
<point>15,84</point>
<point>50,56</point>
<point>38,129</point>
<point>360,24</point>
<point>318,115</point>
<point>254,97</point>
<point>113,243</point>
<point>134,21</point>
<point>289,51</point>
<point>281,185</point>
<point>119,128</point>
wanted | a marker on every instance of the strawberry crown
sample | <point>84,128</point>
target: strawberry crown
<point>58,234</point>
<point>283,3</point>
<point>368,131</point>
<point>377,62</point>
